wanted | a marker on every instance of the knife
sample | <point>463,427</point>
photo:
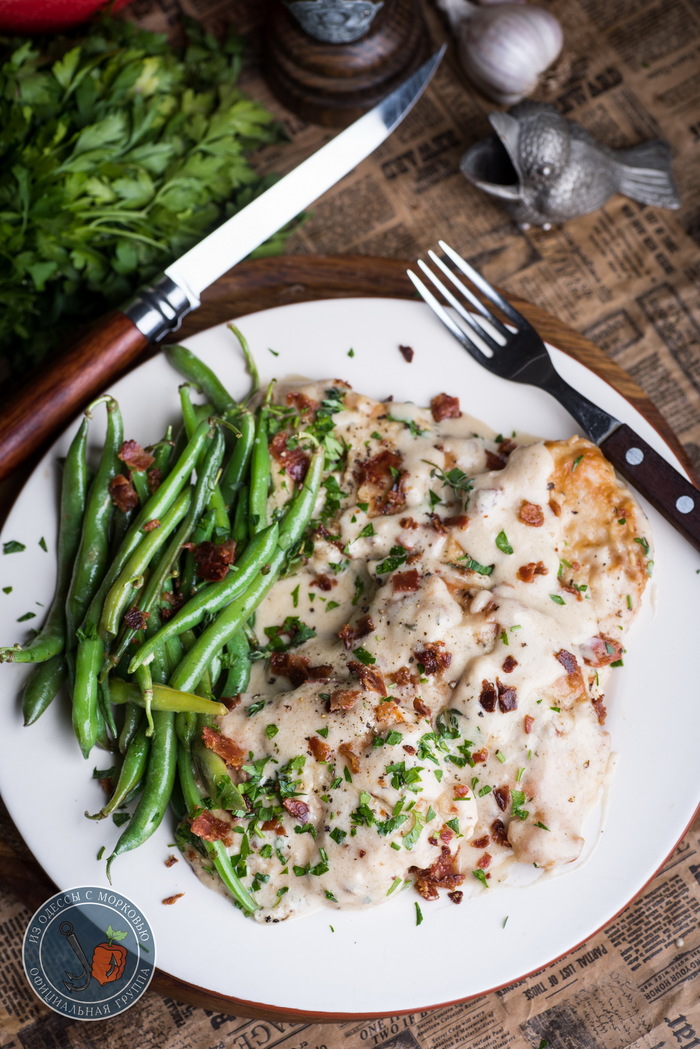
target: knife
<point>61,388</point>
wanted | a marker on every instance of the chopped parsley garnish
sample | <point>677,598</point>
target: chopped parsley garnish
<point>475,566</point>
<point>503,544</point>
<point>410,424</point>
<point>517,798</point>
<point>13,547</point>
<point>27,615</point>
<point>255,707</point>
<point>454,478</point>
<point>7,590</point>
<point>644,545</point>
<point>557,599</point>
<point>367,531</point>
<point>394,885</point>
<point>364,656</point>
<point>290,634</point>
<point>480,876</point>
<point>338,835</point>
<point>397,556</point>
<point>42,544</point>
<point>270,730</point>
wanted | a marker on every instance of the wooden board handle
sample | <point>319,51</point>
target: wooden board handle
<point>60,389</point>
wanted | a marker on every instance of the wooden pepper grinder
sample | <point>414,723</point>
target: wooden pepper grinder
<point>329,61</point>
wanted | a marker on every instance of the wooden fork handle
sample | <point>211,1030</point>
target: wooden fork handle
<point>665,488</point>
<point>61,389</point>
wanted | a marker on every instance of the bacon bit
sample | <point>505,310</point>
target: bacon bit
<point>409,749</point>
<point>209,827</point>
<point>432,659</point>
<point>301,402</point>
<point>494,461</point>
<point>378,469</point>
<point>231,702</point>
<point>509,664</point>
<point>173,899</point>
<point>171,861</point>
<point>229,751</point>
<point>349,634</point>
<point>446,834</point>
<point>480,843</point>
<point>502,796</point>
<point>570,588</point>
<point>391,711</point>
<point>568,661</point>
<point>334,540</point>
<point>601,651</point>
<point>488,696</point>
<point>408,523</point>
<point>480,756</point>
<point>320,750</point>
<point>442,874</point>
<point>526,573</point>
<point>297,668</point>
<point>382,472</point>
<point>600,710</point>
<point>461,790</point>
<point>507,697</point>
<point>123,493</point>
<point>457,896</point>
<point>457,521</point>
<point>153,478</point>
<point>437,523</point>
<point>420,708</point>
<point>343,699</point>
<point>324,582</point>
<point>135,457</point>
<point>402,676</point>
<point>445,407</point>
<point>406,352</point>
<point>484,861</point>
<point>135,619</point>
<point>150,526</point>
<point>528,722</point>
<point>350,754</point>
<point>555,507</point>
<point>499,834</point>
<point>531,514</point>
<point>294,460</point>
<point>296,808</point>
<point>370,679</point>
<point>213,559</point>
<point>275,826</point>
<point>405,582</point>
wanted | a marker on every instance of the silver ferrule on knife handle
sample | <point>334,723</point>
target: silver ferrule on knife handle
<point>159,309</point>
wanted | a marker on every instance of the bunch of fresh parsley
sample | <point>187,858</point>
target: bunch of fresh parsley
<point>118,152</point>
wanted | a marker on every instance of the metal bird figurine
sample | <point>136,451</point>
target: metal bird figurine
<point>546,169</point>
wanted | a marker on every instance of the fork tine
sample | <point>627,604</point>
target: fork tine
<point>469,294</point>
<point>466,316</point>
<point>483,285</point>
<point>442,314</point>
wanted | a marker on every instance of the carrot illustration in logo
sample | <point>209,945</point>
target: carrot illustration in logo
<point>109,959</point>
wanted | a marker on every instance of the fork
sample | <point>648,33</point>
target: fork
<point>516,352</point>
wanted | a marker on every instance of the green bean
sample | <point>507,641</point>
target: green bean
<point>249,360</point>
<point>212,598</point>
<point>259,487</point>
<point>201,376</point>
<point>213,638</point>
<point>51,639</point>
<point>131,774</point>
<point>123,587</point>
<point>164,698</point>
<point>159,782</point>
<point>105,707</point>
<point>93,552</point>
<point>42,686</point>
<point>185,726</point>
<point>233,476</point>
<point>216,850</point>
<point>239,529</point>
<point>133,717</point>
<point>87,722</point>
<point>214,773</point>
<point>238,658</point>
<point>157,583</point>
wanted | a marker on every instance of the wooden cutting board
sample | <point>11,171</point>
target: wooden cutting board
<point>253,286</point>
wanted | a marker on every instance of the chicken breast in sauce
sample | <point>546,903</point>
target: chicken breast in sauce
<point>427,703</point>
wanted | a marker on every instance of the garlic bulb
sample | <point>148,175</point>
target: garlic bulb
<point>504,47</point>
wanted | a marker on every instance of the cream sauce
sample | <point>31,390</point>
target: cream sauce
<point>487,613</point>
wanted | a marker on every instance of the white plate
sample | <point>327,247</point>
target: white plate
<point>374,962</point>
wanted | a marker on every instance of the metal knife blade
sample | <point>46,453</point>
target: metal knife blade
<point>186,279</point>
<point>67,383</point>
